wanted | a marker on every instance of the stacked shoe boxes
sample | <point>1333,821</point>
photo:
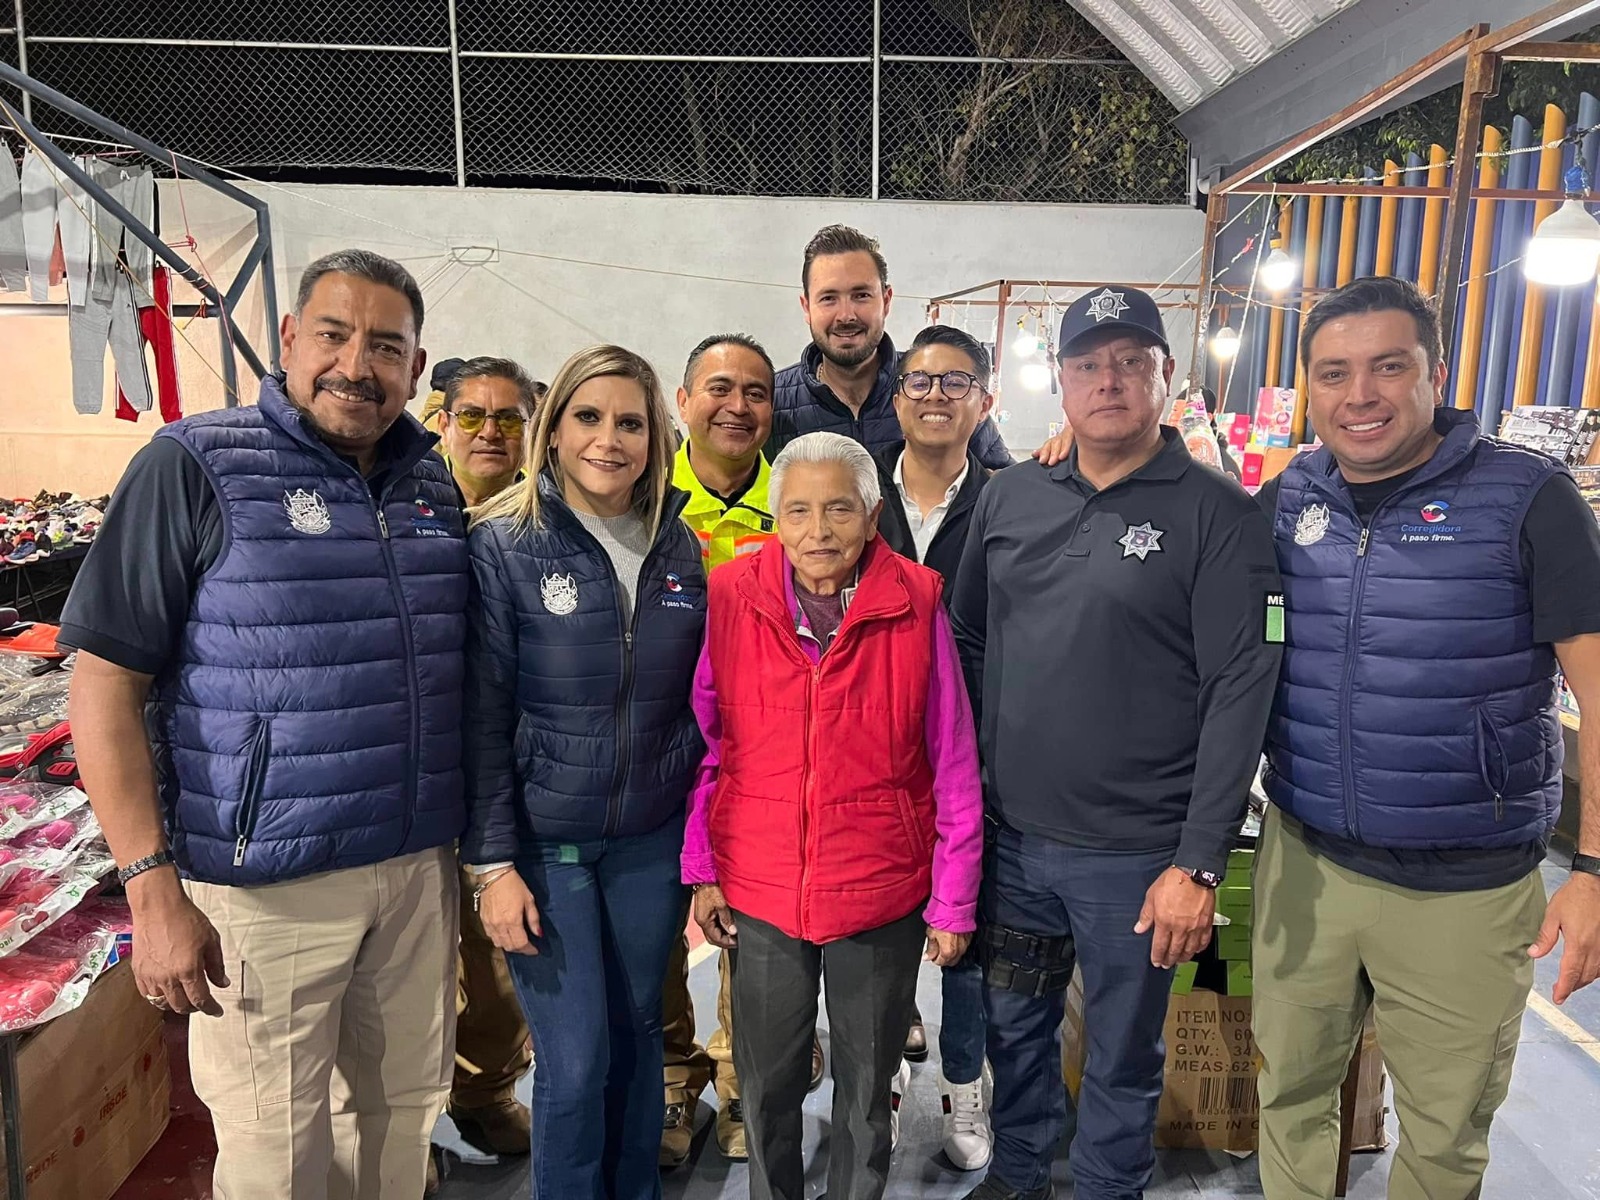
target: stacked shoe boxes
<point>1224,966</point>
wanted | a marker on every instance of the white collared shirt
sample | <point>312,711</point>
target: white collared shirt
<point>923,528</point>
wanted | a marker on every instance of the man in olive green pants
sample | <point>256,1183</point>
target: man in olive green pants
<point>1433,581</point>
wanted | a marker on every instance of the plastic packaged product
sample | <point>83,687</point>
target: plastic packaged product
<point>33,900</point>
<point>52,976</point>
<point>65,832</point>
<point>25,806</point>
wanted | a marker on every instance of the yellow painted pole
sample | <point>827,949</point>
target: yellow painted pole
<point>1388,220</point>
<point>1433,221</point>
<point>1308,278</point>
<point>1349,223</point>
<point>1529,352</point>
<point>1275,317</point>
<point>1477,298</point>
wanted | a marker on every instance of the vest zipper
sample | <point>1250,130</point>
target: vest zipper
<point>408,640</point>
<point>805,795</point>
<point>255,774</point>
<point>1346,686</point>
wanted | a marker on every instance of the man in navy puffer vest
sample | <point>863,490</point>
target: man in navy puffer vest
<point>846,379</point>
<point>1433,581</point>
<point>285,583</point>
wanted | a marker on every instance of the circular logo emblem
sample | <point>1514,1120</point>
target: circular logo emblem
<point>674,584</point>
<point>423,509</point>
<point>1435,512</point>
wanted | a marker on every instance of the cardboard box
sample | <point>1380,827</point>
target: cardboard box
<point>95,1090</point>
<point>1240,980</point>
<point>1209,1099</point>
<point>1236,902</point>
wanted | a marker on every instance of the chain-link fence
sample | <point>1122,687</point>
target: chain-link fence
<point>924,99</point>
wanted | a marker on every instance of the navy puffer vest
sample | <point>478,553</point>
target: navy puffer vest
<point>578,723</point>
<point>312,717</point>
<point>1414,708</point>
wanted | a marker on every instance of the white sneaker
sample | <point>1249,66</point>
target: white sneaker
<point>897,1094</point>
<point>968,1139</point>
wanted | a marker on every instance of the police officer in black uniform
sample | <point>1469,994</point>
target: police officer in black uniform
<point>1112,616</point>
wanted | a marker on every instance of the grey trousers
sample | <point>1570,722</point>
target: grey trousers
<point>871,982</point>
<point>44,205</point>
<point>111,308</point>
<point>13,251</point>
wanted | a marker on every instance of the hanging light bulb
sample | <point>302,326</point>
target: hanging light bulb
<point>1277,272</point>
<point>1225,343</point>
<point>1565,248</point>
<point>1035,376</point>
<point>1026,344</point>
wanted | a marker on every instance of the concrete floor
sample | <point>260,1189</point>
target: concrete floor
<point>1545,1143</point>
<point>1546,1139</point>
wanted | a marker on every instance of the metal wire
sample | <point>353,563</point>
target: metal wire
<point>976,99</point>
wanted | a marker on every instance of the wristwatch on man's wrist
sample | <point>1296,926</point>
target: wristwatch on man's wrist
<point>1206,879</point>
<point>161,858</point>
<point>1586,864</point>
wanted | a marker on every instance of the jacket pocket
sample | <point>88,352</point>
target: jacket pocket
<point>1492,767</point>
<point>255,775</point>
<point>918,837</point>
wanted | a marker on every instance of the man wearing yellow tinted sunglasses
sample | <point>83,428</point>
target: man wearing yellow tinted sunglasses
<point>488,404</point>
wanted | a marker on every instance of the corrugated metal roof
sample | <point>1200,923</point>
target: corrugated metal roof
<point>1192,48</point>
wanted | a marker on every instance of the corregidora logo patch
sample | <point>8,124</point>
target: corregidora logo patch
<point>308,512</point>
<point>559,593</point>
<point>1312,526</point>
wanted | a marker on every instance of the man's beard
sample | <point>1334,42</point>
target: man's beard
<point>850,358</point>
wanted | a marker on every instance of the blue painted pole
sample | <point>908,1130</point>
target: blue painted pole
<point>1506,307</point>
<point>1291,319</point>
<point>1328,252</point>
<point>1408,247</point>
<point>1367,227</point>
<point>1563,331</point>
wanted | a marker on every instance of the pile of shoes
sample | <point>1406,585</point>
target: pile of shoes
<point>51,521</point>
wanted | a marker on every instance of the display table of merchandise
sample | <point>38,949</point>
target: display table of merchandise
<point>58,933</point>
<point>42,543</point>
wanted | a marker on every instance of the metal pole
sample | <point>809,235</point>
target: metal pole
<point>1000,334</point>
<point>11,1101</point>
<point>1216,210</point>
<point>455,95</point>
<point>64,163</point>
<point>1482,81</point>
<point>877,85</point>
<point>22,59</point>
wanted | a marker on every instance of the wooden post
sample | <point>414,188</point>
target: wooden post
<point>1216,212</point>
<point>1482,81</point>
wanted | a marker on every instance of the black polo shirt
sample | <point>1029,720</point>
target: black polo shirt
<point>1120,653</point>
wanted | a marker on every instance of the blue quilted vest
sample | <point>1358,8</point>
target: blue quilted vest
<point>310,720</point>
<point>606,743</point>
<point>1414,708</point>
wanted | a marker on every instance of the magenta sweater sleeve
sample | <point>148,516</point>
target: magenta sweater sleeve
<point>696,864</point>
<point>957,791</point>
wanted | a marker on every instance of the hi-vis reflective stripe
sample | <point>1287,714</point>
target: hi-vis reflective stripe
<point>750,543</point>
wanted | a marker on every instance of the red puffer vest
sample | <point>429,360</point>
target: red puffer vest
<point>822,823</point>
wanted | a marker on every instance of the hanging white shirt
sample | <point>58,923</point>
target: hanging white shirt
<point>923,528</point>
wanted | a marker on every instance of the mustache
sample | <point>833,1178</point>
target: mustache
<point>367,389</point>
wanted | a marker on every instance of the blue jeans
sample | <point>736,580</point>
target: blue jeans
<point>961,1032</point>
<point>1034,885</point>
<point>610,910</point>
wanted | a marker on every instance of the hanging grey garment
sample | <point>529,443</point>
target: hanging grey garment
<point>13,251</point>
<point>135,191</point>
<point>44,206</point>
<point>113,316</point>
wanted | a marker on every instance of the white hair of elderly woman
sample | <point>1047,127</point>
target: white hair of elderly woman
<point>819,448</point>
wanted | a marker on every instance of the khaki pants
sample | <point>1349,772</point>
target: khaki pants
<point>331,1061</point>
<point>1448,975</point>
<point>685,1067</point>
<point>491,1035</point>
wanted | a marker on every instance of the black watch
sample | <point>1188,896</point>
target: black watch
<point>1586,864</point>
<point>1206,879</point>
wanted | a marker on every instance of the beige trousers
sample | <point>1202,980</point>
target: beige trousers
<point>332,1059</point>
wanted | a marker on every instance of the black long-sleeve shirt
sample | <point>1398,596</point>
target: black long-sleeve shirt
<point>1121,653</point>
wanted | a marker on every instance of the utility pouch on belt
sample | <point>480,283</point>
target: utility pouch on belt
<point>1025,963</point>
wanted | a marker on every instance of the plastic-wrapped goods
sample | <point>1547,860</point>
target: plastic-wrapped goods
<point>35,704</point>
<point>25,806</point>
<point>53,974</point>
<point>33,899</point>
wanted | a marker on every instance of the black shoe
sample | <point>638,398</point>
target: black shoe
<point>916,1040</point>
<point>818,1066</point>
<point>992,1189</point>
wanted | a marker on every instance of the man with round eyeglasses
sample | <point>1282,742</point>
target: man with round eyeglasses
<point>488,403</point>
<point>930,483</point>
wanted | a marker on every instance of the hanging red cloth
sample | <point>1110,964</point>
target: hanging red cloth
<point>155,326</point>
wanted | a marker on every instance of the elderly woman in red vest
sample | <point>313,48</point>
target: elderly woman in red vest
<point>835,829</point>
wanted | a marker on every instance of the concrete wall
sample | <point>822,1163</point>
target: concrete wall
<point>655,273</point>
